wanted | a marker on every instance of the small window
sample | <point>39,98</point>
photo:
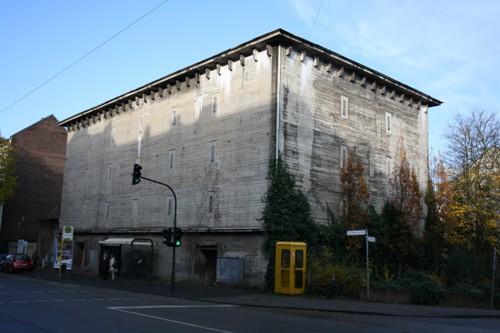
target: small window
<point>139,145</point>
<point>213,152</point>
<point>110,171</point>
<point>388,122</point>
<point>388,166</point>
<point>170,206</point>
<point>89,142</point>
<point>343,155</point>
<point>344,107</point>
<point>106,211</point>
<point>211,202</point>
<point>214,105</point>
<point>113,135</point>
<point>174,117</point>
<point>86,177</point>
<point>135,208</point>
<point>171,159</point>
<point>84,212</point>
<point>140,126</point>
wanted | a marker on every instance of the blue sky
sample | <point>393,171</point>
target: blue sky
<point>447,49</point>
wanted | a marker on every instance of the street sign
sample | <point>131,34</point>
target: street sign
<point>68,233</point>
<point>356,232</point>
<point>370,239</point>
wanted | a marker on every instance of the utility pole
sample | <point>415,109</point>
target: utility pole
<point>493,276</point>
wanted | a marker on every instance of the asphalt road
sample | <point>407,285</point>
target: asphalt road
<point>32,305</point>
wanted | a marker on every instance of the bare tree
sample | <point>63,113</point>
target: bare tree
<point>473,162</point>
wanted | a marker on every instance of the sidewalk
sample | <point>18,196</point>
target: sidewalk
<point>268,300</point>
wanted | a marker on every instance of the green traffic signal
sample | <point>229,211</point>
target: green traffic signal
<point>177,236</point>
<point>136,175</point>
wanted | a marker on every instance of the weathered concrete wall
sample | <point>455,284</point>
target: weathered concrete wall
<point>314,129</point>
<point>230,108</point>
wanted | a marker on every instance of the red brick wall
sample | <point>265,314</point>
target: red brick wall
<point>40,153</point>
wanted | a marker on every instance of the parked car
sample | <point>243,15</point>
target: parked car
<point>17,262</point>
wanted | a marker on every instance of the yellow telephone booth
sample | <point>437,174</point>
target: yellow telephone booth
<point>290,268</point>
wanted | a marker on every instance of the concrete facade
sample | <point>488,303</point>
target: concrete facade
<point>209,131</point>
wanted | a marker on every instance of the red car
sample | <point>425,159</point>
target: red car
<point>17,262</point>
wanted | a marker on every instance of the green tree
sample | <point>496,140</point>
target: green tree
<point>286,215</point>
<point>433,241</point>
<point>7,170</point>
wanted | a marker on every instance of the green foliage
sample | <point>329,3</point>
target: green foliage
<point>7,170</point>
<point>286,215</point>
<point>468,289</point>
<point>331,236</point>
<point>433,243</point>
<point>423,289</point>
<point>462,265</point>
<point>328,279</point>
<point>396,244</point>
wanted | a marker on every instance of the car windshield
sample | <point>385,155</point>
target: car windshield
<point>22,257</point>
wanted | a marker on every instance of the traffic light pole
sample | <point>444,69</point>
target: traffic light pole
<point>172,277</point>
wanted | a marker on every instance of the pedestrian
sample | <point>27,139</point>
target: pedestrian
<point>35,258</point>
<point>112,266</point>
<point>104,266</point>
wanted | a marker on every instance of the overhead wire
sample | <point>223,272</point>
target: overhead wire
<point>82,57</point>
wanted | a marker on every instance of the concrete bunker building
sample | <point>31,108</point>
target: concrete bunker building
<point>209,131</point>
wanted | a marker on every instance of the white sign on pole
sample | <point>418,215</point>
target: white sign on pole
<point>371,239</point>
<point>356,232</point>
<point>68,233</point>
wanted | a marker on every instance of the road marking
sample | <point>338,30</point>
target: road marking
<point>127,309</point>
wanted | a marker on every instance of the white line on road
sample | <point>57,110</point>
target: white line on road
<point>127,309</point>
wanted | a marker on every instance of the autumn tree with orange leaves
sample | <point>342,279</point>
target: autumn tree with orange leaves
<point>355,194</point>
<point>403,212</point>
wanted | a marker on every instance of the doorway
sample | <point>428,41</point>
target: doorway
<point>209,273</point>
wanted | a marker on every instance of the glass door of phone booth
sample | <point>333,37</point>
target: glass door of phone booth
<point>290,268</point>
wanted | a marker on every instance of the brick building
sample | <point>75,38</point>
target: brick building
<point>209,131</point>
<point>32,213</point>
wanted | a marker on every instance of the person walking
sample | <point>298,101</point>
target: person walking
<point>104,266</point>
<point>112,266</point>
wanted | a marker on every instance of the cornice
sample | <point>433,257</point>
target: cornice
<point>323,59</point>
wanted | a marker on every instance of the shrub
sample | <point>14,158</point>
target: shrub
<point>423,289</point>
<point>329,280</point>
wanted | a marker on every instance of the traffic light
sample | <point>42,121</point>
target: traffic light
<point>177,237</point>
<point>168,236</point>
<point>136,175</point>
